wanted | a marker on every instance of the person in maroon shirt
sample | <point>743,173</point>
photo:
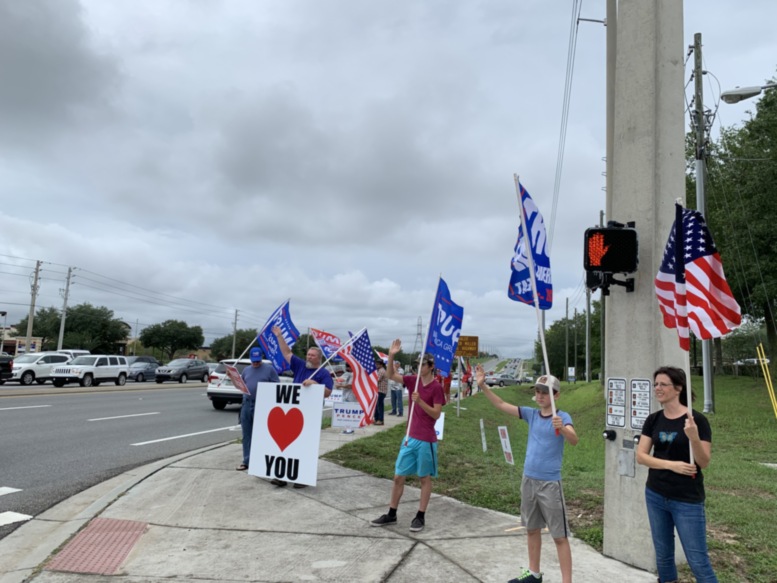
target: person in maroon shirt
<point>418,452</point>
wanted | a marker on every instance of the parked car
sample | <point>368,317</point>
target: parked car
<point>183,369</point>
<point>142,368</point>
<point>91,370</point>
<point>36,367</point>
<point>751,361</point>
<point>221,391</point>
<point>501,380</point>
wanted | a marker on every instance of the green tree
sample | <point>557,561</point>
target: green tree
<point>45,325</point>
<point>171,336</point>
<point>221,348</point>
<point>86,326</point>
<point>741,189</point>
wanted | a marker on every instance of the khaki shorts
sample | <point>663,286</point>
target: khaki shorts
<point>542,504</point>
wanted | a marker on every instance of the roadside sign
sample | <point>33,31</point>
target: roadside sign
<point>505,439</point>
<point>616,402</point>
<point>640,402</point>
<point>468,346</point>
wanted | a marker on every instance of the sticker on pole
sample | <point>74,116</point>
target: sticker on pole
<point>505,439</point>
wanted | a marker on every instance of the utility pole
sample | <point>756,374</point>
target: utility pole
<point>419,337</point>
<point>587,335</point>
<point>64,310</point>
<point>701,152</point>
<point>234,334</point>
<point>33,296</point>
<point>566,344</point>
<point>602,298</point>
<point>135,344</point>
<point>574,360</point>
<point>4,314</point>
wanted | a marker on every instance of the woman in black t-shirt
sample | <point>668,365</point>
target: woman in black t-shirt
<point>674,493</point>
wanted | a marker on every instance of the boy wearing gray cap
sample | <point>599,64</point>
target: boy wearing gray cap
<point>542,498</point>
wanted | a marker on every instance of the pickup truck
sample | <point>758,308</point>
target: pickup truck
<point>6,367</point>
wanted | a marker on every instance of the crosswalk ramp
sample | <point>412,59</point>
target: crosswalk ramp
<point>11,517</point>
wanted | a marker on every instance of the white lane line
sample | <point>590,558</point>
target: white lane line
<point>124,416</point>
<point>182,436</point>
<point>29,407</point>
<point>8,490</point>
<point>11,517</point>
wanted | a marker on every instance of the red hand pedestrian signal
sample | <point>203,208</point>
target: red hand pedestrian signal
<point>611,250</point>
<point>596,249</point>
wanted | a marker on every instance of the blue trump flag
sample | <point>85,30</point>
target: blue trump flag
<point>520,278</point>
<point>444,329</point>
<point>269,343</point>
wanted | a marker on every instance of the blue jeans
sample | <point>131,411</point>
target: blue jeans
<point>247,423</point>
<point>688,518</point>
<point>396,402</point>
<point>379,407</point>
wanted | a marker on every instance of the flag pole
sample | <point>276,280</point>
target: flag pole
<point>533,278</point>
<point>411,405</point>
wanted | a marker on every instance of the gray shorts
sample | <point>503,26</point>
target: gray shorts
<point>542,504</point>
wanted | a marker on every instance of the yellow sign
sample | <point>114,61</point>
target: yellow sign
<point>468,346</point>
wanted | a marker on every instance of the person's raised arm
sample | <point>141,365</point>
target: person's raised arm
<point>391,372</point>
<point>496,401</point>
<point>285,350</point>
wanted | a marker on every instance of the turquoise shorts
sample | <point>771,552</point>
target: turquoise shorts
<point>417,458</point>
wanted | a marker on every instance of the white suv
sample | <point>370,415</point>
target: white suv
<point>91,370</point>
<point>36,367</point>
<point>221,391</point>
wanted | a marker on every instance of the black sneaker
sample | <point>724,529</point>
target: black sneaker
<point>526,577</point>
<point>279,483</point>
<point>384,520</point>
<point>417,525</point>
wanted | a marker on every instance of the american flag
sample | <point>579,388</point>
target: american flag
<point>690,285</point>
<point>382,355</point>
<point>365,374</point>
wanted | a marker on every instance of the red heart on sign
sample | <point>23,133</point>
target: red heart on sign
<point>285,427</point>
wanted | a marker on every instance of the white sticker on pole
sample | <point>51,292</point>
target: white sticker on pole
<point>505,439</point>
<point>616,402</point>
<point>439,426</point>
<point>483,436</point>
<point>640,402</point>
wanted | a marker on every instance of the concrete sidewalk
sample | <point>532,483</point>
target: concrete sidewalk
<point>194,518</point>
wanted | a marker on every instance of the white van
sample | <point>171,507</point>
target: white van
<point>72,353</point>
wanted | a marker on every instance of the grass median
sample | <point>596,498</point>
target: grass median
<point>741,488</point>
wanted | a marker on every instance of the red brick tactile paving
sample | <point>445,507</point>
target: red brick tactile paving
<point>100,548</point>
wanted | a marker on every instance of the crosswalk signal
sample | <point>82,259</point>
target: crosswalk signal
<point>611,250</point>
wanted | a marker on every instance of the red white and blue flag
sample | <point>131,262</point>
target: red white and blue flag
<point>519,289</point>
<point>382,355</point>
<point>365,374</point>
<point>691,287</point>
<point>328,343</point>
<point>444,329</point>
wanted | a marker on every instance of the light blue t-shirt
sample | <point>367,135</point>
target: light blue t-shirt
<point>544,449</point>
<point>261,374</point>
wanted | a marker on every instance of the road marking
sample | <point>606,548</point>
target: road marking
<point>29,407</point>
<point>182,436</point>
<point>124,416</point>
<point>11,517</point>
<point>7,490</point>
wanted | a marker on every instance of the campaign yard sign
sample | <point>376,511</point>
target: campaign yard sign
<point>347,414</point>
<point>287,432</point>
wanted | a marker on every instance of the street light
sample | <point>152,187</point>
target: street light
<point>742,93</point>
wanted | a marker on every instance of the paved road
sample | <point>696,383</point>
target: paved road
<point>56,445</point>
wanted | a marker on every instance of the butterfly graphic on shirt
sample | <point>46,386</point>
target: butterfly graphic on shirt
<point>667,436</point>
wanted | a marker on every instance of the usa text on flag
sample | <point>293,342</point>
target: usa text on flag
<point>444,329</point>
<point>269,343</point>
<point>365,374</point>
<point>519,289</point>
<point>691,287</point>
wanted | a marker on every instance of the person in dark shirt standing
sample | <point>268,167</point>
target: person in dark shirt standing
<point>674,493</point>
<point>258,372</point>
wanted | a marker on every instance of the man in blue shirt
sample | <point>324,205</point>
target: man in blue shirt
<point>306,372</point>
<point>258,372</point>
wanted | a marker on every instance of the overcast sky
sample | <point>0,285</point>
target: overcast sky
<point>192,158</point>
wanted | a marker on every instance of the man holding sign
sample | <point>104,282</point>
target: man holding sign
<point>258,372</point>
<point>418,452</point>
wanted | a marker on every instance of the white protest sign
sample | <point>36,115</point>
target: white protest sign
<point>336,396</point>
<point>483,435</point>
<point>439,426</point>
<point>348,415</point>
<point>508,451</point>
<point>287,432</point>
